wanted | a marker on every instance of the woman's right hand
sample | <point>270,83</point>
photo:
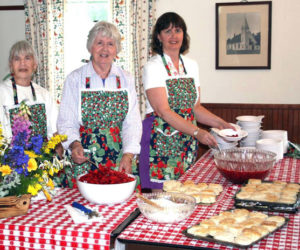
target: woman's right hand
<point>78,153</point>
<point>206,138</point>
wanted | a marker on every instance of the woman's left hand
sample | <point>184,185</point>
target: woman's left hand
<point>126,163</point>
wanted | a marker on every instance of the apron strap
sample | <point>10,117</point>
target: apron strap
<point>14,85</point>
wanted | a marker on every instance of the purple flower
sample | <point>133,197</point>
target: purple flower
<point>20,125</point>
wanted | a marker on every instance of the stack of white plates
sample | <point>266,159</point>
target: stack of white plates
<point>273,145</point>
<point>278,135</point>
<point>251,124</point>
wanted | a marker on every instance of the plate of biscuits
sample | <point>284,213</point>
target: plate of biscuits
<point>275,196</point>
<point>204,193</point>
<point>238,228</point>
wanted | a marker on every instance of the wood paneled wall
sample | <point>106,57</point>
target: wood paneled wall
<point>277,116</point>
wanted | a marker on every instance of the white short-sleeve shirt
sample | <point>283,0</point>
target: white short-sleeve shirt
<point>155,75</point>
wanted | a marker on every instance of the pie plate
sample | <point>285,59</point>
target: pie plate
<point>232,135</point>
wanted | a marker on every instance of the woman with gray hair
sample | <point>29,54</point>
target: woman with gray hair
<point>99,109</point>
<point>23,63</point>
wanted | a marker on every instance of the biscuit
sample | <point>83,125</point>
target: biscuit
<point>261,229</point>
<point>243,195</point>
<point>235,229</point>
<point>201,186</point>
<point>287,200</point>
<point>271,197</point>
<point>251,233</point>
<point>270,225</point>
<point>278,219</point>
<point>207,223</point>
<point>192,229</point>
<point>224,236</point>
<point>258,214</point>
<point>242,240</point>
<point>227,222</point>
<point>202,231</point>
<point>254,181</point>
<point>241,212</point>
<point>208,198</point>
<point>213,230</point>
<point>171,185</point>
<point>216,187</point>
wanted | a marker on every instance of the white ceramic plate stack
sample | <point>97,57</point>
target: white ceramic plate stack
<point>252,125</point>
<point>273,145</point>
<point>278,135</point>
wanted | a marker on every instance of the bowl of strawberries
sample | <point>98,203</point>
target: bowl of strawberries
<point>106,186</point>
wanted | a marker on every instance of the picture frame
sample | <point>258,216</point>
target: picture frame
<point>243,35</point>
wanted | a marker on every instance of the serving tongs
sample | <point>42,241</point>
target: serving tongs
<point>151,203</point>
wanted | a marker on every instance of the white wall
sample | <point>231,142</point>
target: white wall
<point>280,85</point>
<point>12,29</point>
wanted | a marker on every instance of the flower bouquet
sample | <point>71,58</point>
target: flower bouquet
<point>28,164</point>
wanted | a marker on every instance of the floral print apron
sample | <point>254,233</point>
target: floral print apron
<point>38,116</point>
<point>102,114</point>
<point>165,152</point>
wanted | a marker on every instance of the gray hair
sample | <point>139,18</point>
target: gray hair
<point>106,29</point>
<point>22,47</point>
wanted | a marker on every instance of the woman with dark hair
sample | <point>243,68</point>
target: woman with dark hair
<point>170,134</point>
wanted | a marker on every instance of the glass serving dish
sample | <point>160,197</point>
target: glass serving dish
<point>175,207</point>
<point>240,164</point>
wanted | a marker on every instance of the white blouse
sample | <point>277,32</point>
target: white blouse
<point>69,118</point>
<point>25,93</point>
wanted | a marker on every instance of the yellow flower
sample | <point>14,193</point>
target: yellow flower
<point>32,165</point>
<point>33,191</point>
<point>47,195</point>
<point>50,183</point>
<point>30,154</point>
<point>38,186</point>
<point>5,170</point>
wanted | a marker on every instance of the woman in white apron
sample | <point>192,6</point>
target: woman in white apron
<point>170,134</point>
<point>99,110</point>
<point>20,87</point>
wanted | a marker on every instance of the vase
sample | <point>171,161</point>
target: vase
<point>11,206</point>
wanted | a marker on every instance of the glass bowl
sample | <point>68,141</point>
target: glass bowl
<point>175,207</point>
<point>240,164</point>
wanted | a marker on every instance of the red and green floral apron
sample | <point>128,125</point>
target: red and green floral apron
<point>102,114</point>
<point>165,152</point>
<point>38,116</point>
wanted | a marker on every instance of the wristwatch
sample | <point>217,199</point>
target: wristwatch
<point>196,132</point>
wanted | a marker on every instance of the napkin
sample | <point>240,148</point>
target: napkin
<point>80,217</point>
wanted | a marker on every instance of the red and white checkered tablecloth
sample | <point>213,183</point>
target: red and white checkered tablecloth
<point>47,225</point>
<point>146,231</point>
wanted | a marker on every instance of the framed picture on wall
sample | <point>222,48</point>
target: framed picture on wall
<point>243,35</point>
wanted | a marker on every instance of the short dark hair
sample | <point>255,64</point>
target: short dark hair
<point>163,22</point>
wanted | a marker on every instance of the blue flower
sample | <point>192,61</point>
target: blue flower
<point>36,143</point>
<point>16,157</point>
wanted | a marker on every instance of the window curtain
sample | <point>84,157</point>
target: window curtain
<point>44,29</point>
<point>142,20</point>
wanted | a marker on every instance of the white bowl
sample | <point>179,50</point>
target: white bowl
<point>277,134</point>
<point>272,145</point>
<point>107,194</point>
<point>250,118</point>
<point>231,135</point>
<point>175,206</point>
